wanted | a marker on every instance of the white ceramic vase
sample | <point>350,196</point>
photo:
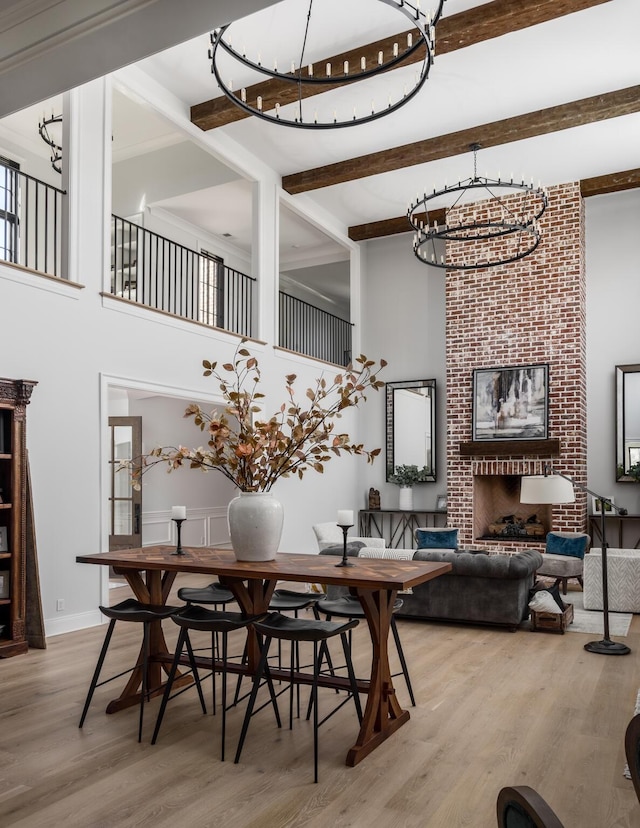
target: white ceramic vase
<point>405,499</point>
<point>255,526</point>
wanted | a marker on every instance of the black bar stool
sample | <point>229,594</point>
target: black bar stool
<point>213,595</point>
<point>295,630</point>
<point>287,600</point>
<point>139,613</point>
<point>195,617</point>
<point>349,606</point>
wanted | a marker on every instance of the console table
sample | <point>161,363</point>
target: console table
<point>393,524</point>
<point>627,528</point>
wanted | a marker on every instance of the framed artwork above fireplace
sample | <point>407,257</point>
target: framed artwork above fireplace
<point>511,403</point>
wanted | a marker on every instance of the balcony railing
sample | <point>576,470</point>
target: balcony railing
<point>164,275</point>
<point>314,332</point>
<point>30,221</point>
<point>161,274</point>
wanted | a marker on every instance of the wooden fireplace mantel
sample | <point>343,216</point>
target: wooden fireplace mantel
<point>510,448</point>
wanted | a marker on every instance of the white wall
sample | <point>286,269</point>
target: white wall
<point>164,173</point>
<point>320,286</point>
<point>613,299</point>
<point>403,321</point>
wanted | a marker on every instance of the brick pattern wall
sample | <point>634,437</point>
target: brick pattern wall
<point>530,312</point>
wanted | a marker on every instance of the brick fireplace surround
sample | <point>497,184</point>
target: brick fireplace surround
<point>530,312</point>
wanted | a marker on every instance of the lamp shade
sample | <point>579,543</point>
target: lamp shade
<point>540,488</point>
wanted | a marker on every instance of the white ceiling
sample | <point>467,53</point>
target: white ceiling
<point>583,54</point>
<point>580,55</point>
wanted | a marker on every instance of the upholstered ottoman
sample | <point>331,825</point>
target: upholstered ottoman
<point>561,567</point>
<point>623,577</point>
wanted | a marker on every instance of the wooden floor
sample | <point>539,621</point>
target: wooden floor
<point>494,708</point>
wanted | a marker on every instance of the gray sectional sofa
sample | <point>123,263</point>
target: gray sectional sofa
<point>484,589</point>
<point>480,589</point>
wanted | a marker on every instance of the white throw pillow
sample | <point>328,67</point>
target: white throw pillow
<point>390,554</point>
<point>543,601</point>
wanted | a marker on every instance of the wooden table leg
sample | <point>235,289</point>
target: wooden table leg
<point>383,714</point>
<point>253,597</point>
<point>153,589</point>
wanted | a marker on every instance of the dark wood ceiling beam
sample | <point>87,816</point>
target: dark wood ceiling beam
<point>391,227</point>
<point>611,183</point>
<point>501,17</point>
<point>483,22</point>
<point>544,121</point>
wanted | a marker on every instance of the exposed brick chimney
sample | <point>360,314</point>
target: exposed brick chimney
<point>530,312</point>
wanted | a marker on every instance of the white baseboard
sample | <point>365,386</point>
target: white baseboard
<point>71,623</point>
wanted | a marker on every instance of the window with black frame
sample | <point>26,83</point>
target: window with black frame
<point>211,292</point>
<point>8,210</point>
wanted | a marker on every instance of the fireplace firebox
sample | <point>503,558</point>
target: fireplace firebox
<point>498,513</point>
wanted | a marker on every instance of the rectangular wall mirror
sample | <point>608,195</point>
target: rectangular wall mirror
<point>411,418</point>
<point>627,420</point>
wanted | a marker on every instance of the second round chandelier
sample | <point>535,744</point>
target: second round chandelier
<point>500,229</point>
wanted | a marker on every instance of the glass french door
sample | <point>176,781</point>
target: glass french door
<point>125,531</point>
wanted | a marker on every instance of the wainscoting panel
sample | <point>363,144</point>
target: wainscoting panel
<point>203,527</point>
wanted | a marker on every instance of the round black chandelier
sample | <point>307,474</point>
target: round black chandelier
<point>274,85</point>
<point>506,230</point>
<point>56,149</point>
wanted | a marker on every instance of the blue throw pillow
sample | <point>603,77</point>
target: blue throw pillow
<point>558,545</point>
<point>437,540</point>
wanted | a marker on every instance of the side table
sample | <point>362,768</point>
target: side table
<point>625,527</point>
<point>396,525</point>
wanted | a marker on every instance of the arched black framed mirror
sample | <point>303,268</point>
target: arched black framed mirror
<point>628,423</point>
<point>411,419</point>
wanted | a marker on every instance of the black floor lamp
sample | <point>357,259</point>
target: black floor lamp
<point>554,487</point>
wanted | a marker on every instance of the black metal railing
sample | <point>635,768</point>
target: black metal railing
<point>30,221</point>
<point>314,332</point>
<point>161,274</point>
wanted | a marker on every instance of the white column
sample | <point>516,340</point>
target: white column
<point>265,262</point>
<point>355,299</point>
<point>87,173</point>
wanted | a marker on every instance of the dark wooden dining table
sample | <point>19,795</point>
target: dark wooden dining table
<point>151,571</point>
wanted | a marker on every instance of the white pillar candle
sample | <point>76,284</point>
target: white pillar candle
<point>345,517</point>
<point>178,513</point>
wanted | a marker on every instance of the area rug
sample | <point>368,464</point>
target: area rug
<point>591,621</point>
